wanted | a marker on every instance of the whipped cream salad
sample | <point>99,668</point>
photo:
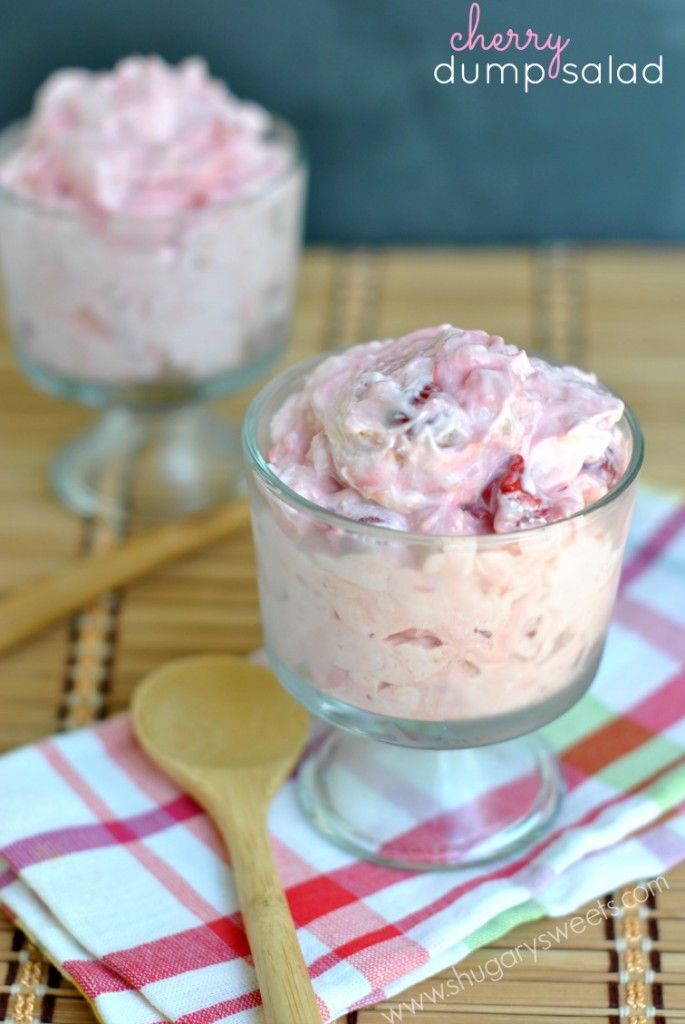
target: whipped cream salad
<point>446,563</point>
<point>150,225</point>
<point>143,139</point>
<point>449,431</point>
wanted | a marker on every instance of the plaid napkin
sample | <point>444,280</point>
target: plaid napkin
<point>122,880</point>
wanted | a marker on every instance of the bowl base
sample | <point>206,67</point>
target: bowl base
<point>417,809</point>
<point>150,466</point>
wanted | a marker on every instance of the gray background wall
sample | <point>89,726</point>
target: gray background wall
<point>394,156</point>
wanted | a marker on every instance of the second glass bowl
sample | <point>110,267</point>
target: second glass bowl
<point>443,648</point>
<point>150,318</point>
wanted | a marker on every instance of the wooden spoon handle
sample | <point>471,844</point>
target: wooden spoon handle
<point>73,586</point>
<point>287,993</point>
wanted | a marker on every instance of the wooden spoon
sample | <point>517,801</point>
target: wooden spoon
<point>69,588</point>
<point>228,734</point>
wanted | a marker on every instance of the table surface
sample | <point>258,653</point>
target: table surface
<point>618,311</point>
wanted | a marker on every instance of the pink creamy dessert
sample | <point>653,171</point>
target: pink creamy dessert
<point>150,225</point>
<point>437,597</point>
<point>449,431</point>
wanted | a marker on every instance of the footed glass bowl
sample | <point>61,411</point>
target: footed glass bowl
<point>149,318</point>
<point>436,657</point>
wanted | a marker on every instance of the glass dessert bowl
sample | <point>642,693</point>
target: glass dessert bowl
<point>151,273</point>
<point>435,655</point>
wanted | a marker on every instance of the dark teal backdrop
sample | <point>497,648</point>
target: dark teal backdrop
<point>396,157</point>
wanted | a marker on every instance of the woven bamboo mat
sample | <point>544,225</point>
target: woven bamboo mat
<point>618,311</point>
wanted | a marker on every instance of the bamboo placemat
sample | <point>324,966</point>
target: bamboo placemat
<point>617,311</point>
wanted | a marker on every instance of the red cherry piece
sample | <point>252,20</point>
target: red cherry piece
<point>424,394</point>
<point>511,483</point>
<point>483,515</point>
<point>486,496</point>
<point>398,419</point>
